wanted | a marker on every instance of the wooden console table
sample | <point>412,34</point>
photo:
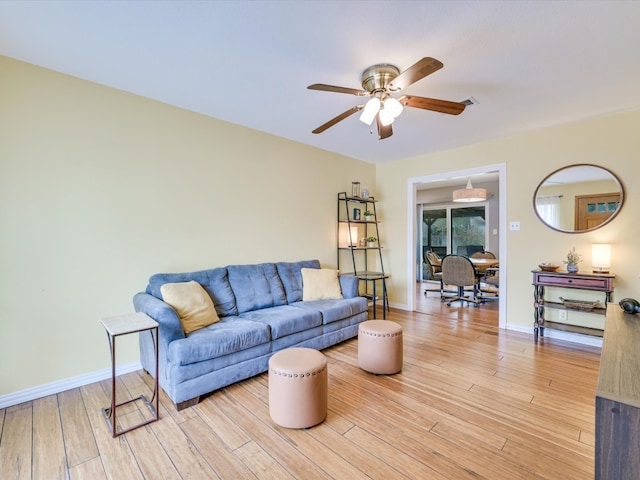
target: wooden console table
<point>599,282</point>
<point>618,398</point>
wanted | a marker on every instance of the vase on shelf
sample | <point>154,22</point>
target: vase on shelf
<point>572,268</point>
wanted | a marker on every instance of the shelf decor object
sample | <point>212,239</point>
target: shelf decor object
<point>548,267</point>
<point>573,258</point>
<point>584,305</point>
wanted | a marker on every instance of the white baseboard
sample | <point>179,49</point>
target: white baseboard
<point>560,335</point>
<point>66,384</point>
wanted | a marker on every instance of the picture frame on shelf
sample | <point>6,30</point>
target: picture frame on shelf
<point>357,214</point>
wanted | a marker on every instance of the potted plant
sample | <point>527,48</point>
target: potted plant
<point>371,241</point>
<point>368,216</point>
<point>573,258</point>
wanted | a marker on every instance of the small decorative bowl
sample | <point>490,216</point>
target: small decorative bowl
<point>548,267</point>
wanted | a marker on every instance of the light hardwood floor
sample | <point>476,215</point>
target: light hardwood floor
<point>472,402</point>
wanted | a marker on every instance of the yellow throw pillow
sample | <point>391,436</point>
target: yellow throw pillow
<point>320,284</point>
<point>192,304</point>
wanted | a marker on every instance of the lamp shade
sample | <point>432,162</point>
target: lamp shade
<point>393,106</point>
<point>348,237</point>
<point>385,117</point>
<point>370,110</point>
<point>601,257</point>
<point>469,194</point>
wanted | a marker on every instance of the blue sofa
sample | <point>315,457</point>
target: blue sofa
<point>261,311</point>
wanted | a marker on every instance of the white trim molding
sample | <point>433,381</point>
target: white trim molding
<point>560,335</point>
<point>66,384</point>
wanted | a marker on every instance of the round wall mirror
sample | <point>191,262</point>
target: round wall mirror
<point>578,198</point>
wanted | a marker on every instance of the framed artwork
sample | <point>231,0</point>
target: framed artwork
<point>356,214</point>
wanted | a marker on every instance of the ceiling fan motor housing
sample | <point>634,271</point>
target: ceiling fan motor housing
<point>377,77</point>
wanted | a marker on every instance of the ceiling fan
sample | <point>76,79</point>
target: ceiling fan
<point>380,82</point>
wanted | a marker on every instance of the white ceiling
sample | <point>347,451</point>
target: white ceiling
<point>529,64</point>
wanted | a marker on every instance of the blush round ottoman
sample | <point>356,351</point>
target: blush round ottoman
<point>380,347</point>
<point>298,387</point>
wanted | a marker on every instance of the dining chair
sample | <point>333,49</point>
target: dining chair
<point>432,260</point>
<point>490,284</point>
<point>483,254</point>
<point>457,270</point>
<point>489,277</point>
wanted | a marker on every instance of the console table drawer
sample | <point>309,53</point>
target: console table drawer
<point>603,284</point>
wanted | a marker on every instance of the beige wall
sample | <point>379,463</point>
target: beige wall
<point>608,141</point>
<point>99,189</point>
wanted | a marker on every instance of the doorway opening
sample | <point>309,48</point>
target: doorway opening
<point>445,215</point>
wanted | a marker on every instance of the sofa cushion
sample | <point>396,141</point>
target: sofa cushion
<point>334,310</point>
<point>291,277</point>
<point>214,281</point>
<point>229,335</point>
<point>192,304</point>
<point>285,319</point>
<point>256,286</point>
<point>320,284</point>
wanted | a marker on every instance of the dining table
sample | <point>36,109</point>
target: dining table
<point>482,264</point>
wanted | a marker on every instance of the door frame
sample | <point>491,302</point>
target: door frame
<point>412,239</point>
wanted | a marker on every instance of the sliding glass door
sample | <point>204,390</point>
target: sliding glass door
<point>452,229</point>
<point>468,229</point>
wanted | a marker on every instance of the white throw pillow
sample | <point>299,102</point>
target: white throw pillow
<point>320,284</point>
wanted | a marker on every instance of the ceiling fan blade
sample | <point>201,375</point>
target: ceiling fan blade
<point>337,119</point>
<point>442,106</point>
<point>333,88</point>
<point>383,132</point>
<point>415,72</point>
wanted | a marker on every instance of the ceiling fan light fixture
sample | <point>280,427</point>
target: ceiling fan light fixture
<point>385,117</point>
<point>367,117</point>
<point>469,194</point>
<point>370,110</point>
<point>393,106</point>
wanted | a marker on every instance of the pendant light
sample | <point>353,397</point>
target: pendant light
<point>469,194</point>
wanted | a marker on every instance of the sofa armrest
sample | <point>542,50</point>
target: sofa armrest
<point>349,285</point>
<point>170,328</point>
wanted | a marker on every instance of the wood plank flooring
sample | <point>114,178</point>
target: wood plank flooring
<point>472,402</point>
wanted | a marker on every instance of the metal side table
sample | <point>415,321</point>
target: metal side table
<point>123,325</point>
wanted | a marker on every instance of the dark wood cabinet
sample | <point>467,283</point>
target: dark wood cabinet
<point>618,398</point>
<point>598,282</point>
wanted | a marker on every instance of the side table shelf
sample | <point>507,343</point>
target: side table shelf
<point>373,278</point>
<point>597,282</point>
<point>123,325</point>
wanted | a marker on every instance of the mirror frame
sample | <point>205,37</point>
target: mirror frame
<point>608,220</point>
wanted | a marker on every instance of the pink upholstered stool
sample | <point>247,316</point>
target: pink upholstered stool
<point>298,387</point>
<point>380,346</point>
